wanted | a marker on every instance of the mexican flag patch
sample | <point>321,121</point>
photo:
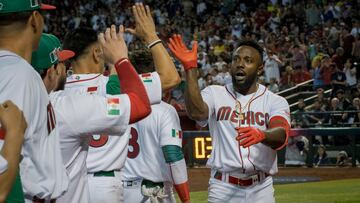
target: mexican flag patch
<point>113,106</point>
<point>176,133</point>
<point>146,77</point>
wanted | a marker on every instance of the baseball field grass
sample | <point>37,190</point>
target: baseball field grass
<point>339,191</point>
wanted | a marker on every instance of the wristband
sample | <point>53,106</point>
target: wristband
<point>149,46</point>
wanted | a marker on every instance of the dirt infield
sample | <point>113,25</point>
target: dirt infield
<point>199,177</point>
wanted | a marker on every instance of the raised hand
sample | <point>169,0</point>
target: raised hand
<point>113,44</point>
<point>144,24</point>
<point>248,136</point>
<point>187,57</point>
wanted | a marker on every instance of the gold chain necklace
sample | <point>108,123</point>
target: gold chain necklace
<point>239,109</point>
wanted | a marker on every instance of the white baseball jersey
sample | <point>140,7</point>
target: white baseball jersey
<point>96,114</point>
<point>145,158</point>
<point>41,168</point>
<point>226,155</point>
<point>3,164</point>
<point>107,153</point>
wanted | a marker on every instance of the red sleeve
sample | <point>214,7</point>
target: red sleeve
<point>183,191</point>
<point>279,121</point>
<point>131,84</point>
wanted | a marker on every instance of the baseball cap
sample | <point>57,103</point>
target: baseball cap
<point>49,53</point>
<point>14,6</point>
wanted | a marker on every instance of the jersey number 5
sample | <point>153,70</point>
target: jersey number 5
<point>133,142</point>
<point>98,140</point>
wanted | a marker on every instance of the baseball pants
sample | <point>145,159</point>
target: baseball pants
<point>221,191</point>
<point>105,189</point>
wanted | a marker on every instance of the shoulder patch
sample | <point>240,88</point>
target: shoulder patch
<point>176,133</point>
<point>146,77</point>
<point>113,106</point>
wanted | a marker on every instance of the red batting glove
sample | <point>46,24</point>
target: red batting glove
<point>187,57</point>
<point>249,136</point>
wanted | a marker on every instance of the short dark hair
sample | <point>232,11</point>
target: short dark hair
<point>10,18</point>
<point>253,44</point>
<point>79,40</point>
<point>142,60</point>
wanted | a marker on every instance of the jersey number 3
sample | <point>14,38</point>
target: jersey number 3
<point>133,142</point>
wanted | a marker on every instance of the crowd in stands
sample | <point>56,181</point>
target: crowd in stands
<point>302,40</point>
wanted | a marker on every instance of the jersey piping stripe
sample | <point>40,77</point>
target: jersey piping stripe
<point>242,161</point>
<point>249,125</point>
<point>83,80</point>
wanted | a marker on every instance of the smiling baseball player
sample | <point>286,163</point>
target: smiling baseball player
<point>247,123</point>
<point>108,114</point>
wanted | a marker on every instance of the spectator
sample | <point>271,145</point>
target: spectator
<point>350,74</point>
<point>300,75</point>
<point>347,41</point>
<point>338,58</point>
<point>287,78</point>
<point>338,80</point>
<point>271,67</point>
<point>344,103</point>
<point>321,157</point>
<point>318,74</point>
<point>226,77</point>
<point>299,58</point>
<point>353,118</point>
<point>300,117</point>
<point>316,115</point>
<point>334,117</point>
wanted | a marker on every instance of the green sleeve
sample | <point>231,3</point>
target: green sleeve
<point>16,194</point>
<point>113,85</point>
<point>172,153</point>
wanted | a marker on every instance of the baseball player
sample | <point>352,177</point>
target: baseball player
<point>248,124</point>
<point>43,175</point>
<point>13,122</point>
<point>155,160</point>
<point>107,154</point>
<point>98,114</point>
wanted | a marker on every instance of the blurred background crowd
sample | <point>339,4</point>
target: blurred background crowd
<point>311,44</point>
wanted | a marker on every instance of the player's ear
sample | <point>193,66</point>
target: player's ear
<point>97,54</point>
<point>36,21</point>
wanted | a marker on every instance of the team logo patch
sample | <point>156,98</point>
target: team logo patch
<point>113,106</point>
<point>146,77</point>
<point>1,6</point>
<point>176,133</point>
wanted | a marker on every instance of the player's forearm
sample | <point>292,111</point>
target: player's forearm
<point>196,108</point>
<point>165,67</point>
<point>131,84</point>
<point>275,137</point>
<point>11,152</point>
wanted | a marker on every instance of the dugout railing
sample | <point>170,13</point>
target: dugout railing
<point>197,144</point>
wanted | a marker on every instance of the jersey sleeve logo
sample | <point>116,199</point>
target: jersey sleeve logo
<point>176,133</point>
<point>146,77</point>
<point>113,106</point>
